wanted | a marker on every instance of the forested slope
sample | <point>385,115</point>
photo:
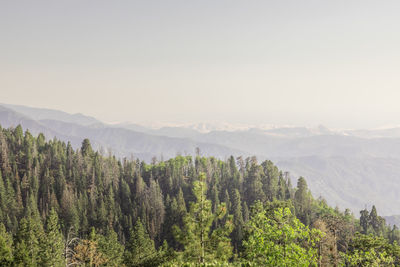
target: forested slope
<point>349,168</point>
<point>63,206</point>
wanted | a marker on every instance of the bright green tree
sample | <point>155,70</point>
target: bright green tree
<point>369,250</point>
<point>200,243</point>
<point>279,240</point>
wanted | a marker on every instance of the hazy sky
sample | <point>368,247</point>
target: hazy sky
<point>284,62</point>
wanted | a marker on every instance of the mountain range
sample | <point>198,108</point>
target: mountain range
<point>349,168</point>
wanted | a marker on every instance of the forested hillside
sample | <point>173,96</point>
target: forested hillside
<point>65,207</point>
<point>352,169</point>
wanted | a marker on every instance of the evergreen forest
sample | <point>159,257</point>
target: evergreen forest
<point>61,206</point>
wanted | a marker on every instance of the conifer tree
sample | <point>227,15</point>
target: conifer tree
<point>6,247</point>
<point>86,148</point>
<point>111,248</point>
<point>377,222</point>
<point>246,212</point>
<point>364,221</point>
<point>302,201</point>
<point>27,247</point>
<point>270,180</point>
<point>237,234</point>
<point>52,245</point>
<point>3,199</point>
<point>227,201</point>
<point>140,250</point>
<point>200,244</point>
<point>253,183</point>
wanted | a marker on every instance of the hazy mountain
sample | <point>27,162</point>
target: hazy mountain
<point>10,118</point>
<point>393,220</point>
<point>298,131</point>
<point>390,132</point>
<point>171,131</point>
<point>132,126</point>
<point>122,142</point>
<point>50,114</point>
<point>351,182</point>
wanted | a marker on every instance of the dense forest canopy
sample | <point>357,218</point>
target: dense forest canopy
<point>66,207</point>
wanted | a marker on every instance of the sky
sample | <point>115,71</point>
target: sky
<point>335,63</point>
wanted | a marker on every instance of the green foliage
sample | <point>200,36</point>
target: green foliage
<point>213,263</point>
<point>279,240</point>
<point>111,248</point>
<point>371,223</point>
<point>28,245</point>
<point>52,245</point>
<point>303,201</point>
<point>140,250</point>
<point>90,190</point>
<point>87,253</point>
<point>86,148</point>
<point>369,250</point>
<point>144,207</point>
<point>238,222</point>
<point>200,243</point>
<point>6,247</point>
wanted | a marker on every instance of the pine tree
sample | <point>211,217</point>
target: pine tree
<point>270,180</point>
<point>364,221</point>
<point>394,235</point>
<point>27,247</point>
<point>253,183</point>
<point>68,212</point>
<point>227,201</point>
<point>6,247</point>
<point>181,204</point>
<point>200,244</point>
<point>86,148</point>
<point>246,212</point>
<point>302,201</point>
<point>52,245</point>
<point>111,248</point>
<point>237,234</point>
<point>377,222</point>
<point>140,250</point>
<point>3,199</point>
<point>156,210</point>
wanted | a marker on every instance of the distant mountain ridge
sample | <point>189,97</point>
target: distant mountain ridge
<point>122,142</point>
<point>393,220</point>
<point>50,114</point>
